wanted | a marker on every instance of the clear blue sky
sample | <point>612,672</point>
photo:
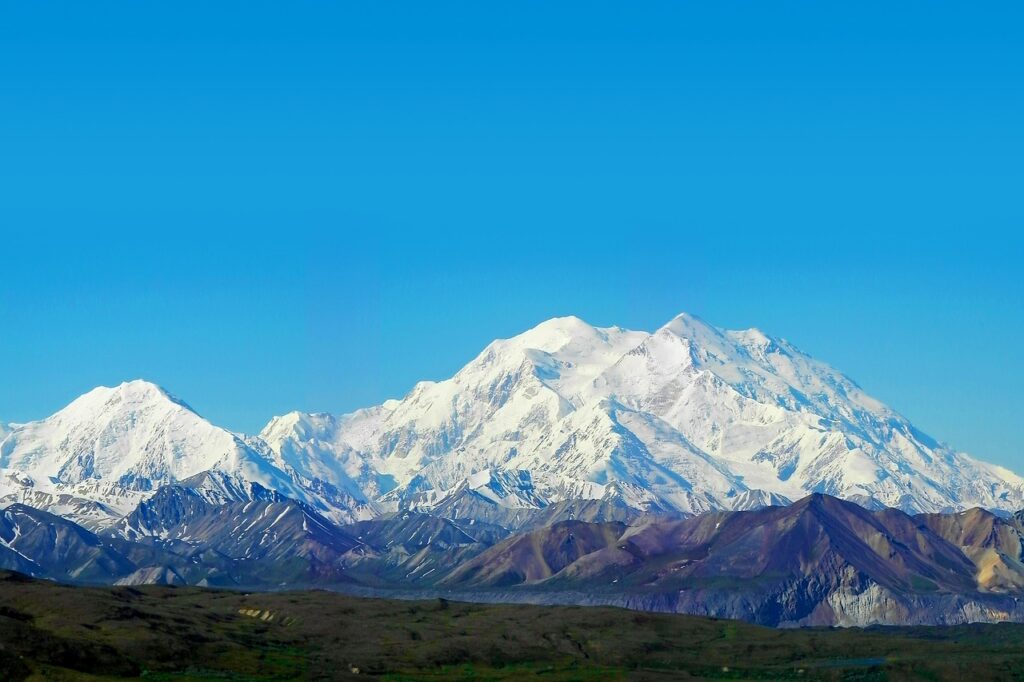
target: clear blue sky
<point>309,205</point>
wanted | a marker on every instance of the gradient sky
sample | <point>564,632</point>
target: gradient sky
<point>308,205</point>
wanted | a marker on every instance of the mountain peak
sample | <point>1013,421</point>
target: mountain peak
<point>689,318</point>
<point>817,500</point>
<point>694,329</point>
<point>142,389</point>
<point>134,435</point>
<point>129,395</point>
<point>134,389</point>
<point>553,334</point>
<point>306,425</point>
<point>565,321</point>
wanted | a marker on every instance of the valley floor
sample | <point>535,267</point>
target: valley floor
<point>57,632</point>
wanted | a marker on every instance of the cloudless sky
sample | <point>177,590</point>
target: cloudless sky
<point>311,205</point>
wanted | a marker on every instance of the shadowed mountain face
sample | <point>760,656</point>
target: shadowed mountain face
<point>267,539</point>
<point>176,537</point>
<point>59,548</point>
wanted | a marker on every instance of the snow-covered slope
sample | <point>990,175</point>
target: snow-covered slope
<point>98,457</point>
<point>688,418</point>
<point>322,446</point>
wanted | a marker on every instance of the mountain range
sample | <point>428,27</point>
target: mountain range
<point>818,561</point>
<point>688,419</point>
<point>690,469</point>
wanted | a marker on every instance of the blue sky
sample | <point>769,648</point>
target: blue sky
<point>268,206</point>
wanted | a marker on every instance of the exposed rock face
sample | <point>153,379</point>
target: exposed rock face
<point>992,543</point>
<point>154,575</point>
<point>820,561</point>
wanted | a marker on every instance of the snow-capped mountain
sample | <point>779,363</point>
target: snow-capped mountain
<point>687,418</point>
<point>97,458</point>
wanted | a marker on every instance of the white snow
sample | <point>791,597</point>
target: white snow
<point>94,460</point>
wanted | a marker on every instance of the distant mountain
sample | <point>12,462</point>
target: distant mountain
<point>688,419</point>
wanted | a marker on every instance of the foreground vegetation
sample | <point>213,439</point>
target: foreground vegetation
<point>55,632</point>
